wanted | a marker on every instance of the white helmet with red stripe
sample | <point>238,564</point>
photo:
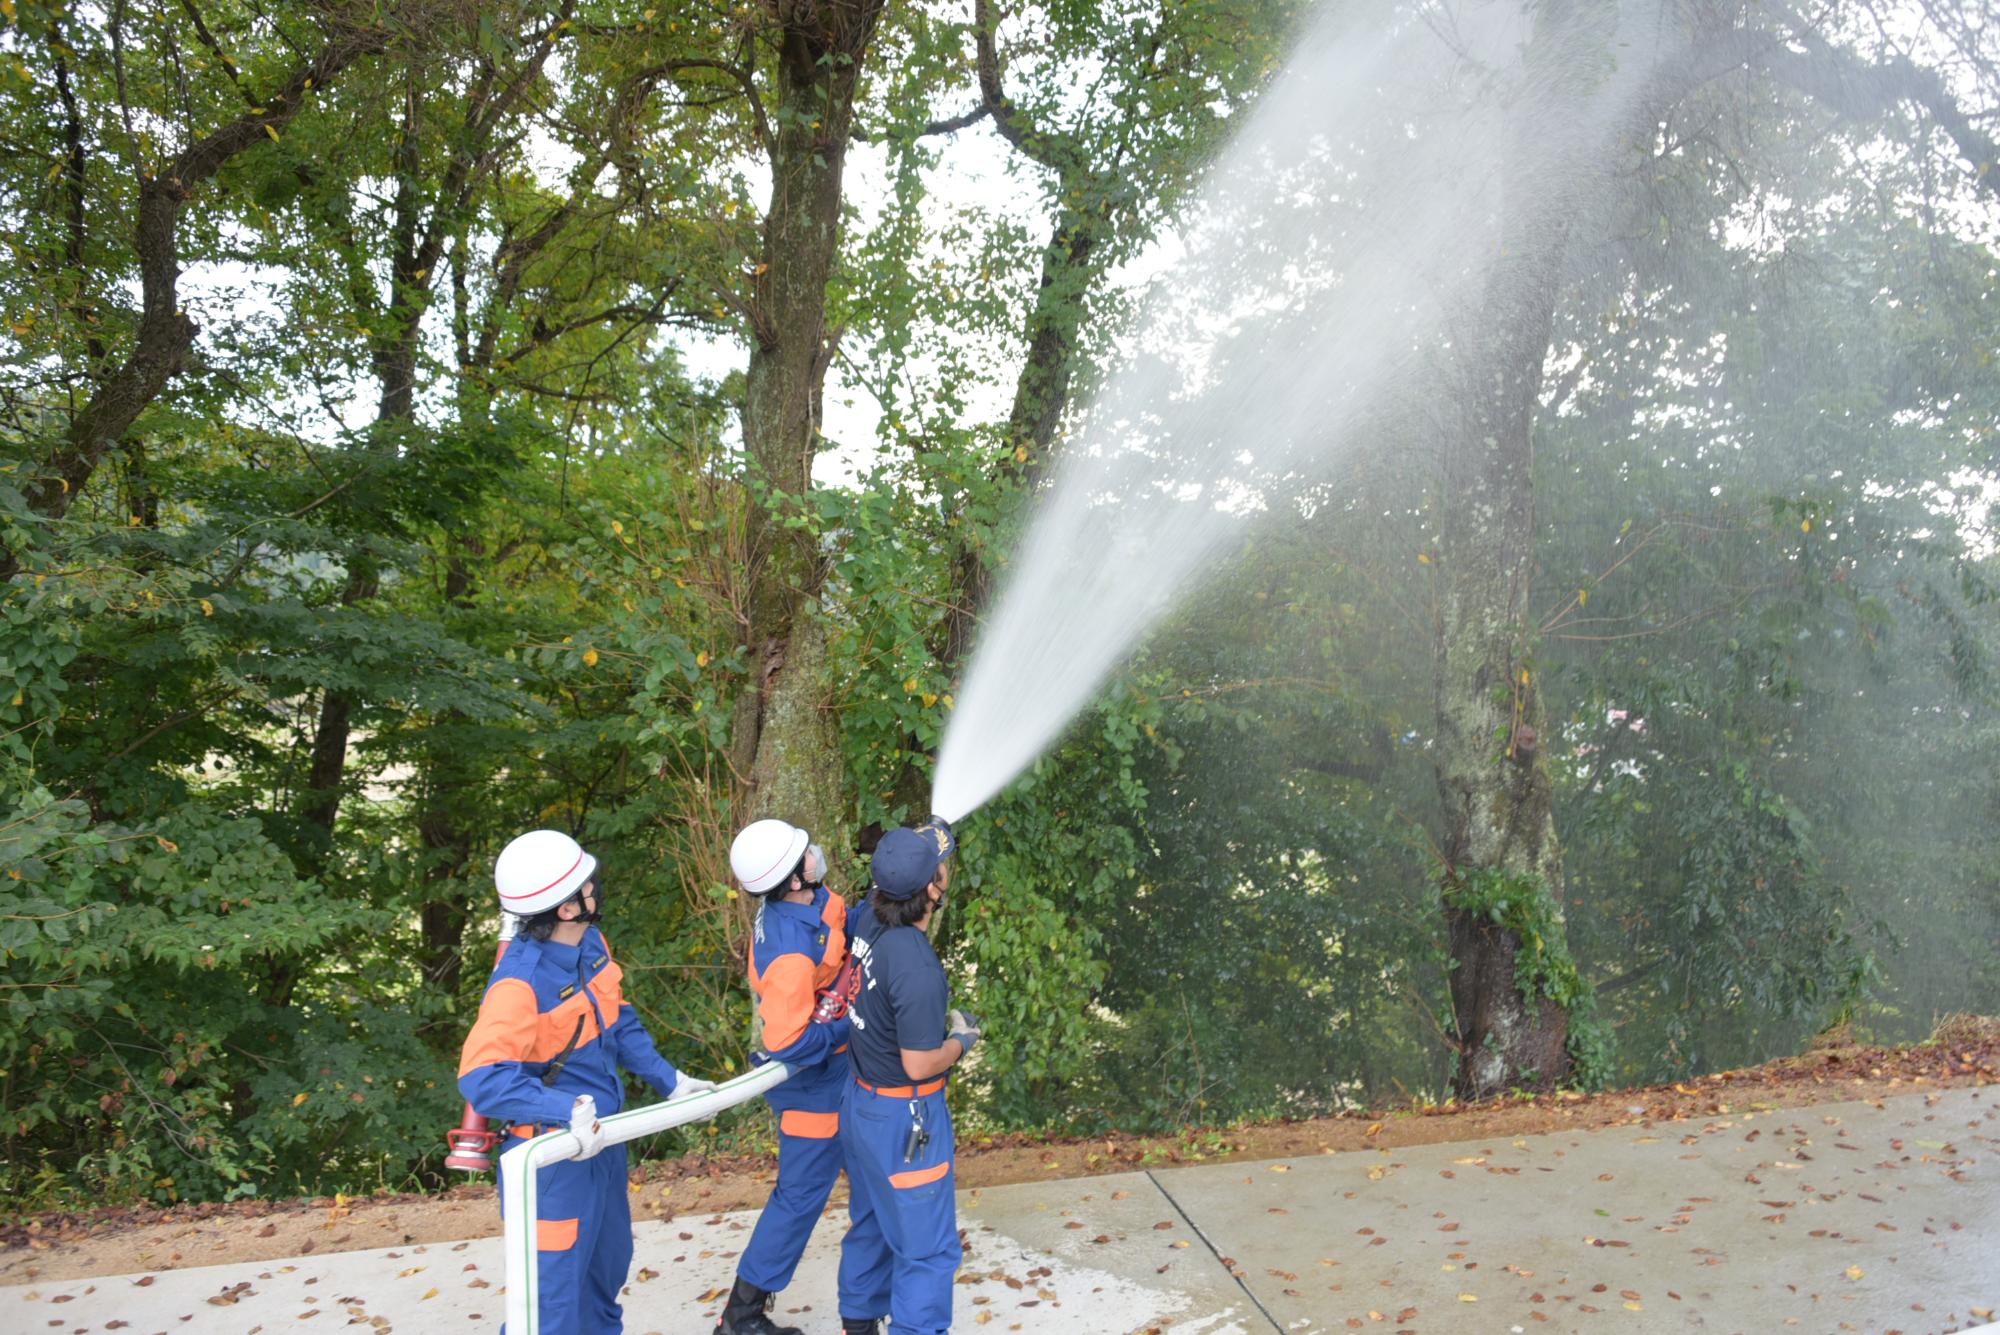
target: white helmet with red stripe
<point>766,853</point>
<point>540,870</point>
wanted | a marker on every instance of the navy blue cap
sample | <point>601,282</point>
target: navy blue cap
<point>907,860</point>
<point>939,829</point>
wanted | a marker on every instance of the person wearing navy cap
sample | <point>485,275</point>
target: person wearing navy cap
<point>901,1250</point>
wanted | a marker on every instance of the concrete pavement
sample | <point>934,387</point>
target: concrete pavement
<point>1880,1216</point>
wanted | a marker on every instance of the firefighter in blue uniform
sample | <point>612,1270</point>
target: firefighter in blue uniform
<point>798,946</point>
<point>553,1030</point>
<point>901,1248</point>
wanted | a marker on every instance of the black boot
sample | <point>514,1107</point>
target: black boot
<point>854,1325</point>
<point>744,1313</point>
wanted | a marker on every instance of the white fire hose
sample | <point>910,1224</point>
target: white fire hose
<point>520,1169</point>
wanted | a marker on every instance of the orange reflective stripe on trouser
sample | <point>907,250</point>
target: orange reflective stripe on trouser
<point>808,1165</point>
<point>809,1125</point>
<point>555,1235</point>
<point>917,1177</point>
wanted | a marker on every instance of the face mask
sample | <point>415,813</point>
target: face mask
<point>597,898</point>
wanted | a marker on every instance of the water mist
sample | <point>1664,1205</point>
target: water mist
<point>1354,212</point>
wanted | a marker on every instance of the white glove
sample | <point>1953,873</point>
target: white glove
<point>964,1027</point>
<point>687,1086</point>
<point>583,1124</point>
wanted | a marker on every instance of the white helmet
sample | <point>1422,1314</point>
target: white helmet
<point>764,855</point>
<point>540,870</point>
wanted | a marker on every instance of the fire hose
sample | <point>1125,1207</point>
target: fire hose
<point>471,1142</point>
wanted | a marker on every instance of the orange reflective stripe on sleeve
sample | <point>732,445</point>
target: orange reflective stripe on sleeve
<point>506,1028</point>
<point>917,1177</point>
<point>809,1125</point>
<point>555,1235</point>
<point>785,1000</point>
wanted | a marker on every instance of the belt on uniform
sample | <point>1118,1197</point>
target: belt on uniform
<point>902,1091</point>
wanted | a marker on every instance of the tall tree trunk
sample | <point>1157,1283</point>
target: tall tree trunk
<point>787,741</point>
<point>1503,879</point>
<point>319,802</point>
<point>393,359</point>
<point>1503,873</point>
<point>447,907</point>
<point>449,779</point>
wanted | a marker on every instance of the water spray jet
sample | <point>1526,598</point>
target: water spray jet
<point>1330,256</point>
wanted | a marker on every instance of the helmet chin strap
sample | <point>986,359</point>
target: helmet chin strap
<point>591,915</point>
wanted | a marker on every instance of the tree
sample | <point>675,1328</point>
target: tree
<point>149,202</point>
<point>1503,870</point>
<point>785,744</point>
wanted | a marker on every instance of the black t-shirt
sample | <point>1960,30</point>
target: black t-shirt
<point>903,999</point>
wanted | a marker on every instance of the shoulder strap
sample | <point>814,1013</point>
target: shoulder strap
<point>555,1070</point>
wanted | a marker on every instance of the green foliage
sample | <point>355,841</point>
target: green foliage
<point>1543,968</point>
<point>114,950</point>
<point>435,536</point>
<point>1041,867</point>
<point>1521,904</point>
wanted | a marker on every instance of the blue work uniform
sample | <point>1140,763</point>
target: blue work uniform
<point>795,952</point>
<point>544,998</point>
<point>901,1249</point>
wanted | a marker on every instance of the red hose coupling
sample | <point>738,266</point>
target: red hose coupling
<point>471,1143</point>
